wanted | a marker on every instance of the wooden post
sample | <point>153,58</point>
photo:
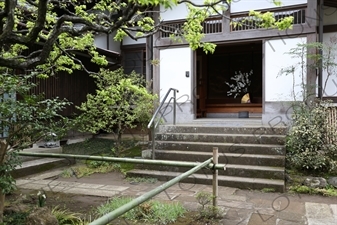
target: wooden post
<point>215,177</point>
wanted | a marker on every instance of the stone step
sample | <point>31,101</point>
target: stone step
<point>226,158</point>
<point>197,128</point>
<point>254,155</point>
<point>228,181</point>
<point>265,149</point>
<point>222,138</point>
<point>40,165</point>
<point>266,172</point>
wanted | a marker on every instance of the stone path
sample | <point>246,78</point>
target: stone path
<point>318,214</point>
<point>241,207</point>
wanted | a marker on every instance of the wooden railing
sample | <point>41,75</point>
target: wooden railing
<point>239,22</point>
<point>210,26</point>
<point>172,28</point>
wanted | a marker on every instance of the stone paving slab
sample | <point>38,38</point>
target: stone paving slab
<point>235,204</point>
<point>287,222</point>
<point>257,218</point>
<point>240,207</point>
<point>20,182</point>
<point>237,216</point>
<point>319,214</point>
<point>93,192</point>
<point>334,211</point>
<point>233,198</point>
<point>114,188</point>
<point>291,217</point>
<point>33,186</point>
<point>47,175</point>
<point>95,186</point>
<point>70,187</point>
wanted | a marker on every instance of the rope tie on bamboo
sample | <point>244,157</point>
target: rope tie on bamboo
<point>213,167</point>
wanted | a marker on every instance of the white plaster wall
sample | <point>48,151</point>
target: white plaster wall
<point>246,5</point>
<point>280,87</point>
<point>114,45</point>
<point>129,41</point>
<point>331,87</point>
<point>330,15</point>
<point>174,63</point>
<point>178,12</point>
<point>100,41</point>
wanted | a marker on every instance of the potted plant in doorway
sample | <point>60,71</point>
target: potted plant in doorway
<point>240,87</point>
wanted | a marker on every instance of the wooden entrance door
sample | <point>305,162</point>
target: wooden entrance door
<point>215,70</point>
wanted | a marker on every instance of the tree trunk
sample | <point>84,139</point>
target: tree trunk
<point>2,205</point>
<point>3,151</point>
<point>119,143</point>
<point>119,139</point>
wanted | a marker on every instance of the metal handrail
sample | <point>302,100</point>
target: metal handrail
<point>154,126</point>
<point>139,200</point>
<point>211,163</point>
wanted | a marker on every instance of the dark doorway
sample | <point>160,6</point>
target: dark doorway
<point>214,70</point>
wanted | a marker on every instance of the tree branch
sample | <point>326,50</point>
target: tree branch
<point>9,13</point>
<point>203,5</point>
<point>75,59</point>
<point>40,21</point>
<point>67,23</point>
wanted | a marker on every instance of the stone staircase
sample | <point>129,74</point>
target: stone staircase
<point>254,155</point>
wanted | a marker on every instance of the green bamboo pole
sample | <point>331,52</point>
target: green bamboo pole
<point>123,209</point>
<point>125,160</point>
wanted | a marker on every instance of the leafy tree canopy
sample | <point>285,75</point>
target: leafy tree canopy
<point>61,27</point>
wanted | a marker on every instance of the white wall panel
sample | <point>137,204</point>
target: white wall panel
<point>178,12</point>
<point>174,63</point>
<point>114,45</point>
<point>100,41</point>
<point>331,87</point>
<point>246,5</point>
<point>280,87</point>
<point>129,41</point>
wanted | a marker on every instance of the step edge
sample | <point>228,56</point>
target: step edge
<point>248,167</point>
<point>238,155</point>
<point>220,177</point>
<point>224,144</point>
<point>217,134</point>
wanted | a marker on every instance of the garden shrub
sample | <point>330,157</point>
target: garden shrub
<point>121,102</point>
<point>308,143</point>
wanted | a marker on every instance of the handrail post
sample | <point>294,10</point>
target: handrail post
<point>152,121</point>
<point>215,178</point>
<point>153,142</point>
<point>174,106</point>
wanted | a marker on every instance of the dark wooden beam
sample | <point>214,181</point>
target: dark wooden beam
<point>134,46</point>
<point>333,99</point>
<point>299,30</point>
<point>330,3</point>
<point>329,28</point>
